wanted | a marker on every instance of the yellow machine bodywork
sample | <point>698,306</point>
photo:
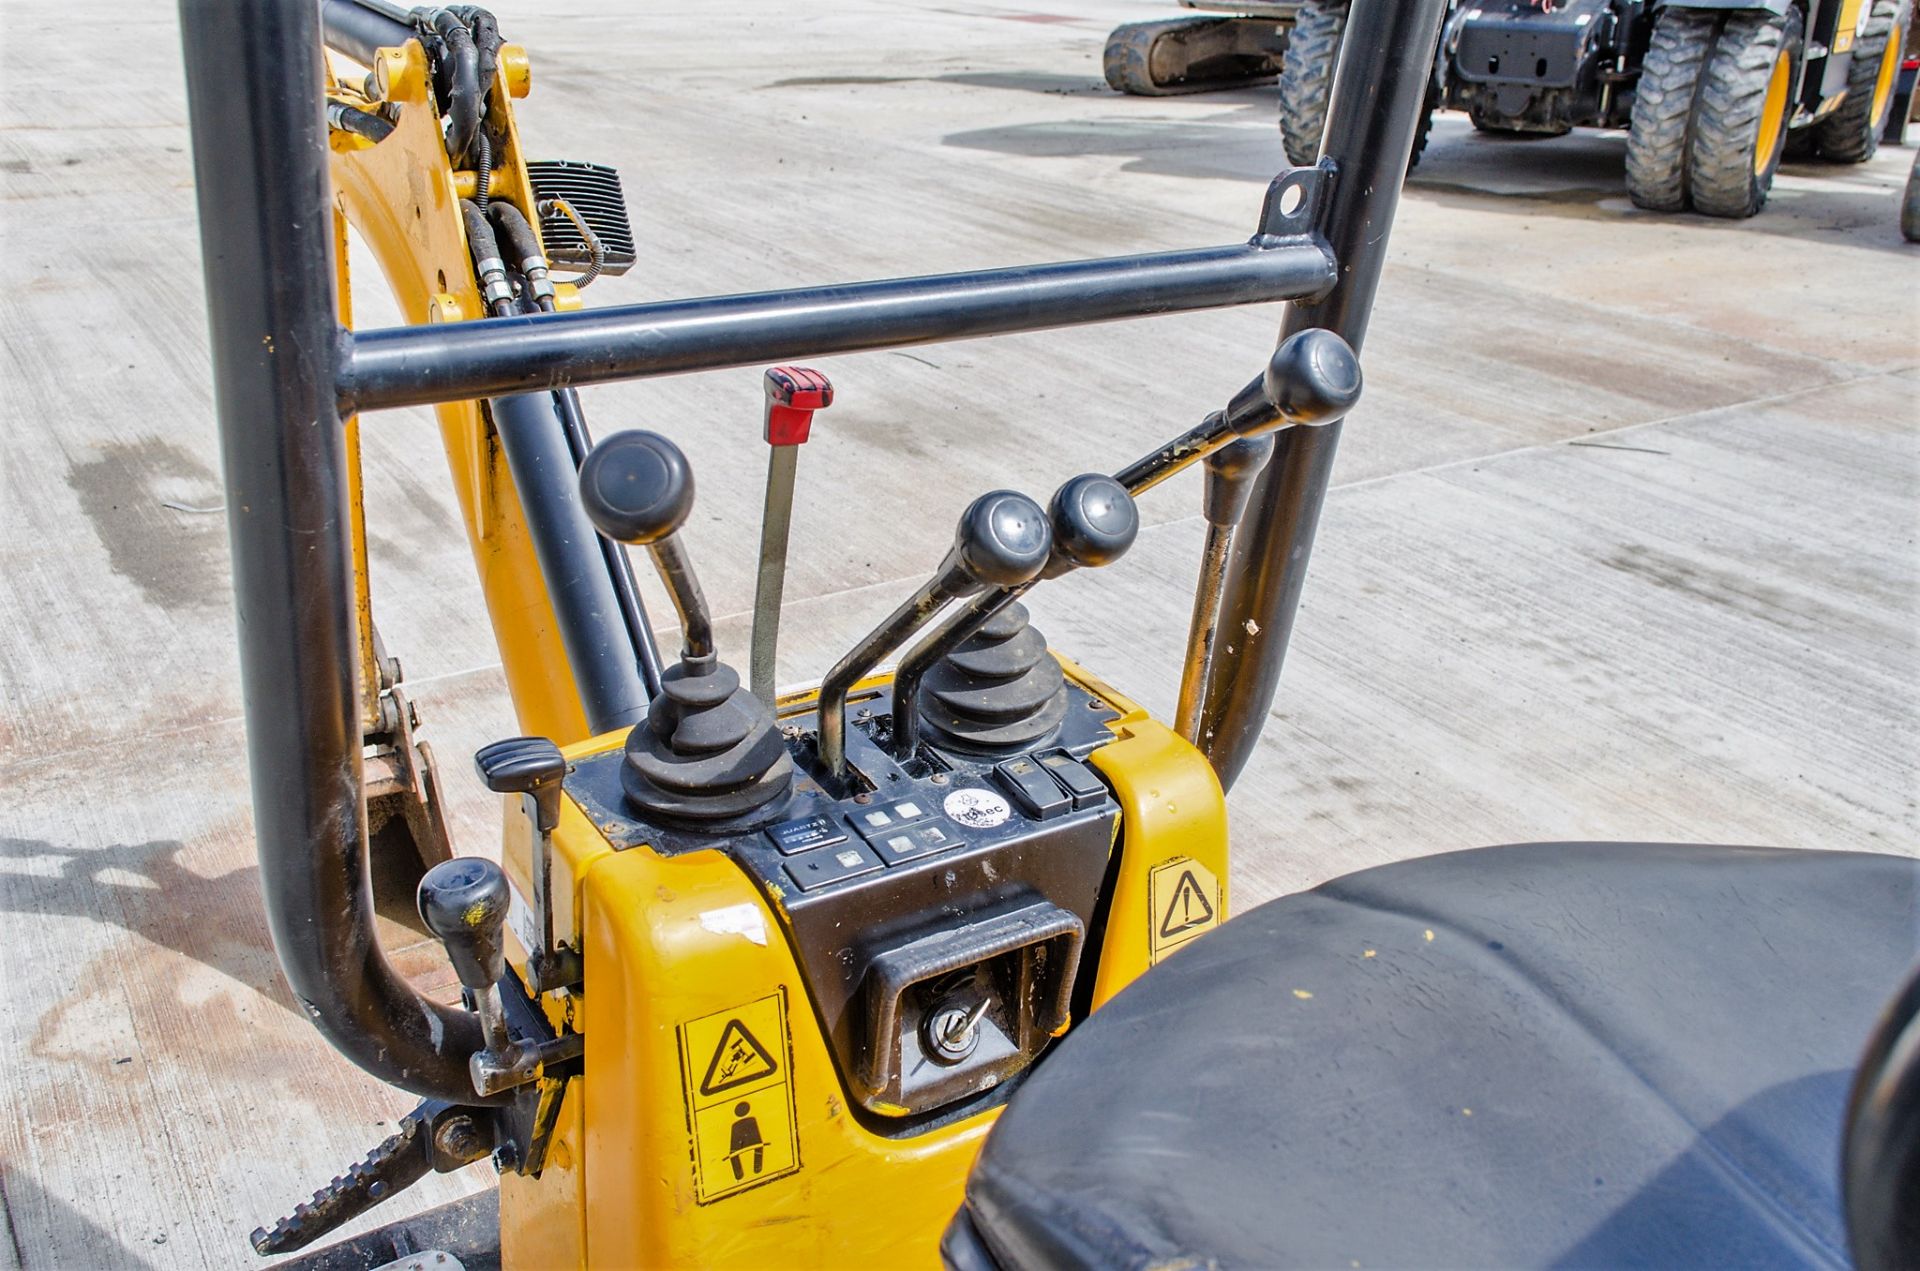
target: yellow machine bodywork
<point>672,942</point>
<point>641,1171</point>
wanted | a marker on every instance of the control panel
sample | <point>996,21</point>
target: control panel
<point>941,920</point>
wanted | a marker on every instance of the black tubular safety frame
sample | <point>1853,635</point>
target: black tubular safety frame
<point>285,374</point>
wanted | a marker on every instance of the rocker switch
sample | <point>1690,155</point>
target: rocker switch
<point>1037,794</point>
<point>1087,789</point>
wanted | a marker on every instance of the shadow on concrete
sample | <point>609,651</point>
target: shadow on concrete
<point>1579,177</point>
<point>216,921</point>
<point>62,1236</point>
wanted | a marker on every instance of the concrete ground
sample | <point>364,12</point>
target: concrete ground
<point>1623,543</point>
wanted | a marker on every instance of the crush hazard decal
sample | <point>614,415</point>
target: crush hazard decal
<point>736,1069</point>
<point>1183,901</point>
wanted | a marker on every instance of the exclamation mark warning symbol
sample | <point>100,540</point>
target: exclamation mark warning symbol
<point>1183,899</point>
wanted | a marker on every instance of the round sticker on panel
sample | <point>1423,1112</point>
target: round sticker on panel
<point>977,809</point>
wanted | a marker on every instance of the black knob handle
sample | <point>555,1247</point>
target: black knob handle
<point>1312,378</point>
<point>525,765</point>
<point>1094,522</point>
<point>464,902</point>
<point>637,487</point>
<point>1003,540</point>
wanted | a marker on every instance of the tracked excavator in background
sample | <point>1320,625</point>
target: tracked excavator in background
<point>930,961</point>
<point>1712,94</point>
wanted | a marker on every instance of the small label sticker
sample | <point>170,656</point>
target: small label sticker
<point>1183,901</point>
<point>736,1069</point>
<point>977,809</point>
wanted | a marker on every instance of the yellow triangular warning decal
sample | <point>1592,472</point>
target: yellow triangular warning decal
<point>737,1060</point>
<point>1189,908</point>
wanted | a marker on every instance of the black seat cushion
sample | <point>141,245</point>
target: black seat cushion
<point>1568,1054</point>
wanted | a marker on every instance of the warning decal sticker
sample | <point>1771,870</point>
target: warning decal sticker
<point>1183,901</point>
<point>736,1068</point>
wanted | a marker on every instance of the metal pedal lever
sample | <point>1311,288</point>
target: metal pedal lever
<point>1229,485</point>
<point>793,394</point>
<point>1312,378</point>
<point>1003,540</point>
<point>434,1137</point>
<point>534,768</point>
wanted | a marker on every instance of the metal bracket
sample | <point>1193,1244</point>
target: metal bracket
<point>1296,201</point>
<point>399,776</point>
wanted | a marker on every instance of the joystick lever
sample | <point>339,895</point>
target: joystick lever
<point>1312,378</point>
<point>708,750</point>
<point>1093,522</point>
<point>1003,540</point>
<point>638,489</point>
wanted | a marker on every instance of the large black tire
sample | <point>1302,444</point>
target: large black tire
<point>1306,82</point>
<point>1306,78</point>
<point>1663,103</point>
<point>1852,133</point>
<point>1741,112</point>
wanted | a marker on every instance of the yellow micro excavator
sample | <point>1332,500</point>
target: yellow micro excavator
<point>931,963</point>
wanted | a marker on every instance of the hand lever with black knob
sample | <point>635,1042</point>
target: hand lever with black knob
<point>638,488</point>
<point>1312,378</point>
<point>1093,522</point>
<point>534,768</point>
<point>708,751</point>
<point>1003,540</point>
<point>464,902</point>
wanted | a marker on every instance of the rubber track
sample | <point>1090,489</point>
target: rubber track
<point>1726,125</point>
<point>1850,134</point>
<point>1670,77</point>
<point>1306,78</point>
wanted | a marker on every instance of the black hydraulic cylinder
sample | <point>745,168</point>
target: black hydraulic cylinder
<point>413,366</point>
<point>1386,58</point>
<point>266,224</point>
<point>358,30</point>
<point>586,602</point>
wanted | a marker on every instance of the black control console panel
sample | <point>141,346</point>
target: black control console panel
<point>940,917</point>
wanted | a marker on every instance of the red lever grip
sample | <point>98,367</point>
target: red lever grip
<point>793,394</point>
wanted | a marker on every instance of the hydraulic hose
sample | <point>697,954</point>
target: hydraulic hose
<point>465,106</point>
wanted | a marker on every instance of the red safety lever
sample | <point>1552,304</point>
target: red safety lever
<point>793,394</point>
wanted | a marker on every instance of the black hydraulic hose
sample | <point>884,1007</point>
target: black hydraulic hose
<point>361,123</point>
<point>486,43</point>
<point>357,29</point>
<point>523,247</point>
<point>465,106</point>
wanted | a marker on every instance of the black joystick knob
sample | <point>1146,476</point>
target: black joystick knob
<point>464,902</point>
<point>708,750</point>
<point>637,487</point>
<point>1312,378</point>
<point>1002,541</point>
<point>1094,522</point>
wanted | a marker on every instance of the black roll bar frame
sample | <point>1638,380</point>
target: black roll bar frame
<point>286,373</point>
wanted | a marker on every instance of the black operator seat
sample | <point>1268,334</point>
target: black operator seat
<point>1554,1054</point>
